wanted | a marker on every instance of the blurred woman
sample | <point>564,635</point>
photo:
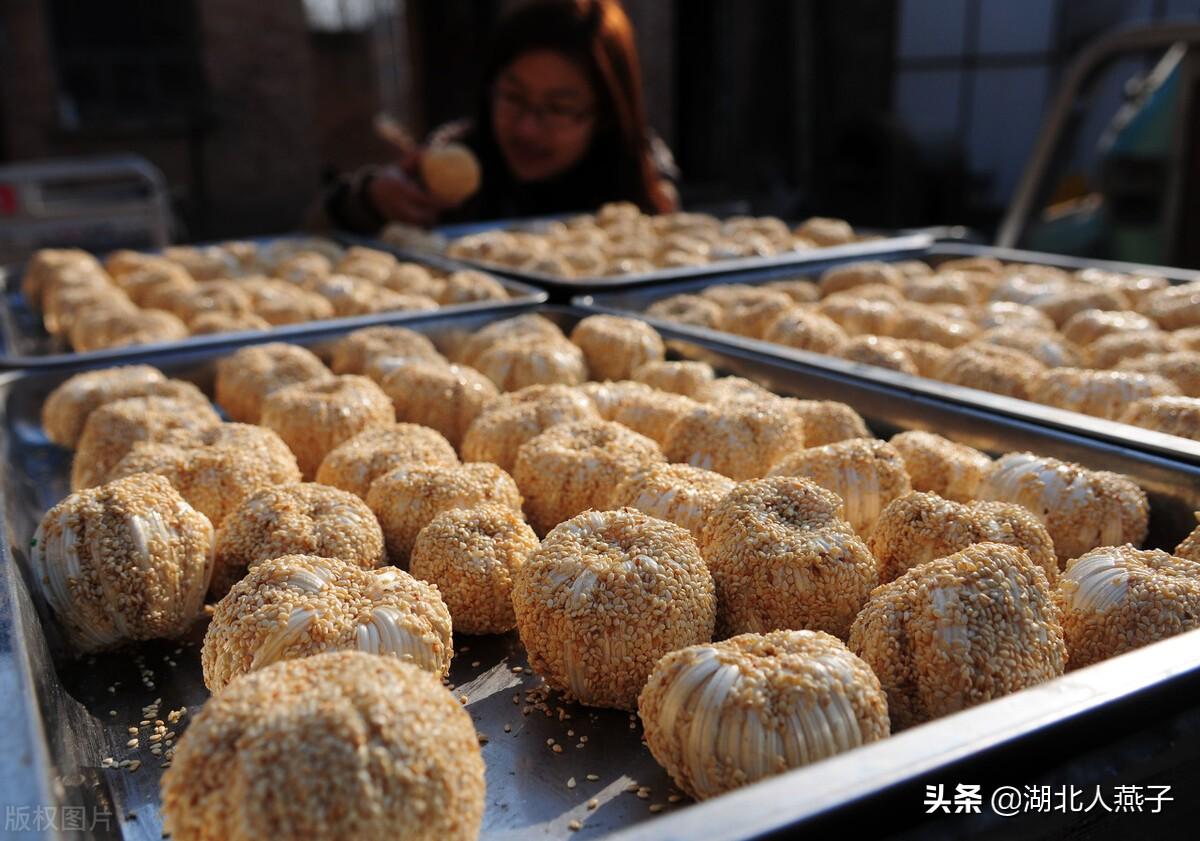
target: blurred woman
<point>560,126</point>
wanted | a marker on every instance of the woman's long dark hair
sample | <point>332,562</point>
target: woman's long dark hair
<point>596,34</point>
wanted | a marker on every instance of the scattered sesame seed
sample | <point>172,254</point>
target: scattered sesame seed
<point>474,664</point>
<point>574,826</point>
<point>557,748</point>
<point>674,798</point>
<point>571,783</point>
<point>593,777</point>
<point>462,700</point>
<point>593,803</point>
<point>508,728</point>
<point>656,807</point>
<point>132,743</point>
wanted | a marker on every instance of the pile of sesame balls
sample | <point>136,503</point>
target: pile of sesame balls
<point>759,578</point>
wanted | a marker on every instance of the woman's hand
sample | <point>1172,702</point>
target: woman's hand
<point>399,197</point>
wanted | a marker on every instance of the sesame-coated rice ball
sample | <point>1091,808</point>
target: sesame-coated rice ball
<point>1087,327</point>
<point>353,352</point>
<point>1046,346</point>
<point>942,288</point>
<point>113,429</point>
<point>678,493</point>
<point>801,290</point>
<point>447,398</point>
<point>1012,314</point>
<point>1187,338</point>
<point>215,468</point>
<point>129,560</point>
<point>606,595</point>
<point>733,389</point>
<point>961,630</point>
<point>684,378</point>
<point>515,363</point>
<point>357,462</point>
<point>1081,508</point>
<point>727,714</point>
<point>223,322</point>
<point>1175,307</point>
<point>498,433</point>
<point>694,310</point>
<point>615,346</point>
<point>472,554</point>
<point>66,410</point>
<point>470,286</point>
<point>850,275</point>
<point>163,278</point>
<point>1135,287</point>
<point>300,605</point>
<point>825,231</point>
<point>575,466</point>
<point>652,413</point>
<point>530,325</point>
<point>300,519</point>
<point>313,417</point>
<point>806,330</point>
<point>739,440</point>
<point>1000,370</point>
<point>827,421</point>
<point>916,321</point>
<point>1104,394</point>
<point>929,357</point>
<point>859,315</point>
<point>1063,304</point>
<point>920,527</point>
<point>1109,351</point>
<point>406,499</point>
<point>102,329</point>
<point>941,466</point>
<point>1117,598</point>
<point>1171,415</point>
<point>1181,367</point>
<point>48,263</point>
<point>339,745</point>
<point>880,351</point>
<point>608,397</point>
<point>753,311</point>
<point>1189,547</point>
<point>279,302</point>
<point>245,378</point>
<point>782,556</point>
<point>865,472</point>
<point>95,299</point>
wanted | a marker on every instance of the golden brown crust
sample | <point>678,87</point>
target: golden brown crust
<point>375,748</point>
<point>961,630</point>
<point>606,595</point>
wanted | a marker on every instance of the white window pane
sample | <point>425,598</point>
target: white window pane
<point>1016,26</point>
<point>927,104</point>
<point>931,28</point>
<point>1006,114</point>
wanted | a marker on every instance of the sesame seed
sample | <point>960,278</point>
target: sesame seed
<point>656,807</point>
<point>571,782</point>
<point>557,748</point>
<point>593,803</point>
<point>593,777</point>
<point>574,826</point>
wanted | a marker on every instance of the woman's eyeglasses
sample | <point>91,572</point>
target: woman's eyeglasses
<point>554,116</point>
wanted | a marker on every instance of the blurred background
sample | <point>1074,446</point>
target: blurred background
<point>889,114</point>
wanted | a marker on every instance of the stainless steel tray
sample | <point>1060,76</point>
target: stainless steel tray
<point>60,710</point>
<point>24,342</point>
<point>636,301</point>
<point>562,288</point>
